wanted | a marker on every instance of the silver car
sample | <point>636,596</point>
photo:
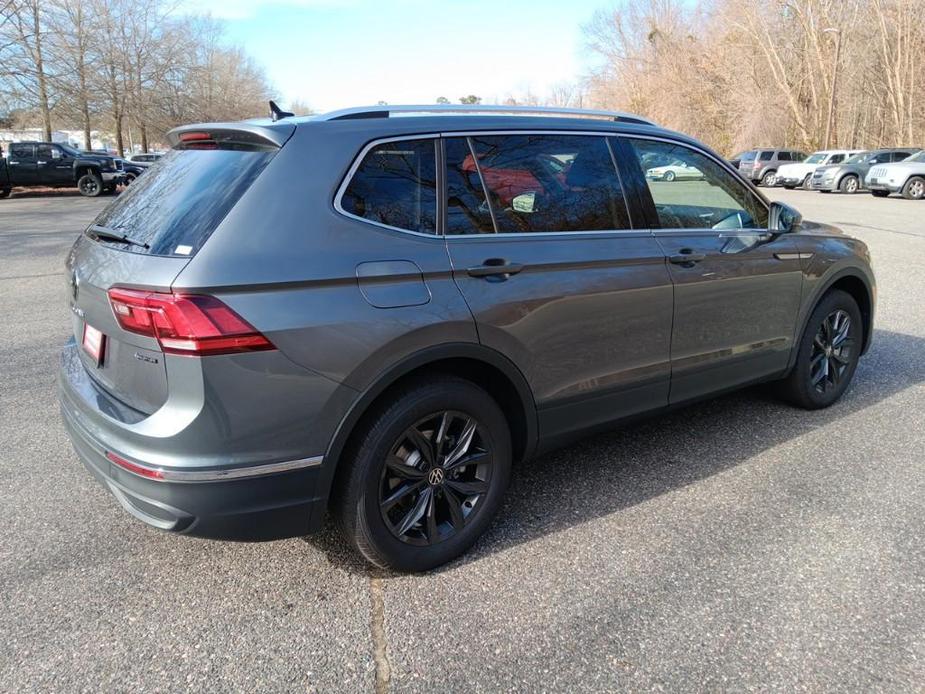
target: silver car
<point>848,176</point>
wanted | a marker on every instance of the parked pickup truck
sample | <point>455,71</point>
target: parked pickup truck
<point>57,165</point>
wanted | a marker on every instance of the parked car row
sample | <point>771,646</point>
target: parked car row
<point>58,165</point>
<point>881,171</point>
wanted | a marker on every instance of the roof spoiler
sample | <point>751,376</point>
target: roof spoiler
<point>230,134</point>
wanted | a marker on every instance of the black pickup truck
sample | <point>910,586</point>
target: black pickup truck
<point>57,165</point>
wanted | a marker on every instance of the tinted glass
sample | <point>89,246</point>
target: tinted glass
<point>543,183</point>
<point>182,198</point>
<point>749,156</point>
<point>21,151</point>
<point>766,156</point>
<point>899,156</point>
<point>836,159</point>
<point>816,158</point>
<point>43,151</point>
<point>713,199</point>
<point>785,156</point>
<point>467,211</point>
<point>396,185</point>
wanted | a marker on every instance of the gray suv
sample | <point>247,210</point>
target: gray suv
<point>760,165</point>
<point>376,316</point>
<point>848,176</point>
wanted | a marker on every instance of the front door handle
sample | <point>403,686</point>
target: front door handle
<point>495,268</point>
<point>686,257</point>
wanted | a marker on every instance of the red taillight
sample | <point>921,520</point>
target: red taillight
<point>150,473</point>
<point>186,323</point>
<point>188,137</point>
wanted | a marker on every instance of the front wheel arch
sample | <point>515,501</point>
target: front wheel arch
<point>853,283</point>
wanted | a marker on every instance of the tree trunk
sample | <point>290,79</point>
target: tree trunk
<point>40,72</point>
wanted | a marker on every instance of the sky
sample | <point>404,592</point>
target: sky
<point>333,54</point>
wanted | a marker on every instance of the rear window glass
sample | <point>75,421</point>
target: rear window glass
<point>396,185</point>
<point>749,156</point>
<point>182,198</point>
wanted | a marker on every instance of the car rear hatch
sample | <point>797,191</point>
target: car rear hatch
<point>119,272</point>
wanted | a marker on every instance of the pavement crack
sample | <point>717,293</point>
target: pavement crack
<point>377,631</point>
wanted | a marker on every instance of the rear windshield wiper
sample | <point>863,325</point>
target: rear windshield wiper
<point>99,232</point>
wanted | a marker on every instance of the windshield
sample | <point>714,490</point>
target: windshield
<point>816,158</point>
<point>70,150</point>
<point>858,158</point>
<point>182,198</point>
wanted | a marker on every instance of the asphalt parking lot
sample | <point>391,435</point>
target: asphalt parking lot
<point>737,545</point>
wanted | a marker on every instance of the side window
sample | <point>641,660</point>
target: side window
<point>44,152</point>
<point>711,198</point>
<point>20,151</point>
<point>396,185</point>
<point>785,156</point>
<point>766,156</point>
<point>548,183</point>
<point>837,159</point>
<point>467,210</point>
<point>899,156</point>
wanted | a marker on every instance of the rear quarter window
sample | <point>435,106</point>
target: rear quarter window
<point>183,197</point>
<point>395,185</point>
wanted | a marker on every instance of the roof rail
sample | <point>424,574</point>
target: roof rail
<point>387,111</point>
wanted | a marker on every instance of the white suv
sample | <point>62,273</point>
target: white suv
<point>792,175</point>
<point>906,177</point>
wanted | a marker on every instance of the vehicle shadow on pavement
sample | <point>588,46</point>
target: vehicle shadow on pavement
<point>607,473</point>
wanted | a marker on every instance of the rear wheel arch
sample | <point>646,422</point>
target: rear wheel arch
<point>484,367</point>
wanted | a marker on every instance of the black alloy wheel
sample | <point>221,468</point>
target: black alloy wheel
<point>827,354</point>
<point>434,478</point>
<point>833,351</point>
<point>424,474</point>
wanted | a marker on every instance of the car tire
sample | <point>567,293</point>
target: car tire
<point>109,189</point>
<point>789,187</point>
<point>5,192</point>
<point>90,185</point>
<point>669,176</point>
<point>914,188</point>
<point>769,179</point>
<point>807,182</point>
<point>406,516</point>
<point>828,353</point>
<point>823,190</point>
<point>849,185</point>
<point>880,193</point>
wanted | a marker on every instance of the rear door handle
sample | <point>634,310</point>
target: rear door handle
<point>495,267</point>
<point>686,257</point>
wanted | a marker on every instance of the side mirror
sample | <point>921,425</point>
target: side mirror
<point>783,218</point>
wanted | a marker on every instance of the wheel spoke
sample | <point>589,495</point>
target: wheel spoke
<point>834,373</point>
<point>432,533</point>
<point>476,457</point>
<point>399,467</point>
<point>441,432</point>
<point>823,371</point>
<point>819,344</point>
<point>462,443</point>
<point>840,358</point>
<point>423,444</point>
<point>455,508</point>
<point>400,493</point>
<point>416,512</point>
<point>467,488</point>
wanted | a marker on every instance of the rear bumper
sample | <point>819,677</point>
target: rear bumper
<point>268,507</point>
<point>217,496</point>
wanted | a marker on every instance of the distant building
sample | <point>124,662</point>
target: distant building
<point>75,138</point>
